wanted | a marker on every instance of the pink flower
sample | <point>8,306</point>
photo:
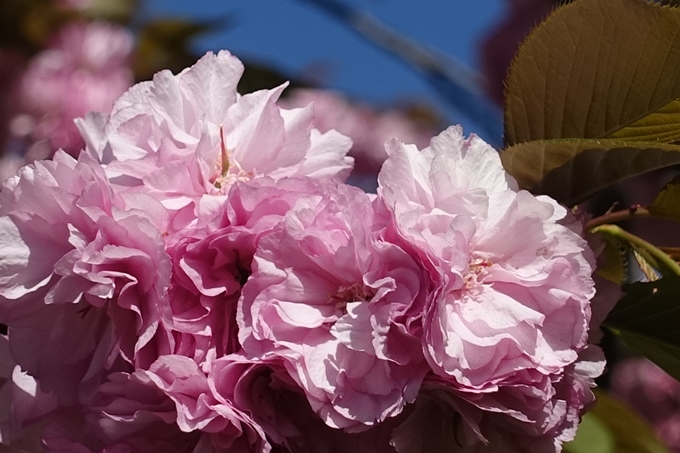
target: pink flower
<point>168,408</point>
<point>276,402</point>
<point>6,368</point>
<point>442,417</point>
<point>278,405</point>
<point>212,262</point>
<point>83,274</point>
<point>199,407</point>
<point>129,409</point>
<point>607,292</point>
<point>187,138</point>
<point>129,413</point>
<point>85,68</point>
<point>22,400</point>
<point>509,311</point>
<point>331,296</point>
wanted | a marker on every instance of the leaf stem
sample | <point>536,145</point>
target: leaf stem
<point>625,214</point>
<point>639,244</point>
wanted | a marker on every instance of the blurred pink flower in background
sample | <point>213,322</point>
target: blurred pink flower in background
<point>84,68</point>
<point>368,127</point>
<point>11,68</point>
<point>74,4</point>
<point>653,394</point>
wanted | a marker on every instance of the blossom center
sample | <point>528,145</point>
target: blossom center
<point>352,293</point>
<point>477,270</point>
<point>228,170</point>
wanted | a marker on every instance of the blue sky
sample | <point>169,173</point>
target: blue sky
<point>294,37</point>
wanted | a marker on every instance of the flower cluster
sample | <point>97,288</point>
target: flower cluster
<point>201,279</point>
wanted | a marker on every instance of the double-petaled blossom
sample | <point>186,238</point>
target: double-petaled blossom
<point>331,295</point>
<point>186,138</point>
<point>84,274</point>
<point>212,262</point>
<point>199,408</point>
<point>281,408</point>
<point>506,321</point>
<point>129,413</point>
<point>133,256</point>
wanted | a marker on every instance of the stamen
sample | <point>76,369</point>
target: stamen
<point>477,269</point>
<point>228,170</point>
<point>351,293</point>
<point>224,153</point>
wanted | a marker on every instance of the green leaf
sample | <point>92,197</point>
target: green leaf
<point>662,125</point>
<point>593,436</point>
<point>615,266</point>
<point>667,203</point>
<point>571,170</point>
<point>612,427</point>
<point>646,319</point>
<point>597,69</point>
<point>112,10</point>
<point>665,354</point>
<point>658,261</point>
<point>646,266</point>
<point>166,44</point>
